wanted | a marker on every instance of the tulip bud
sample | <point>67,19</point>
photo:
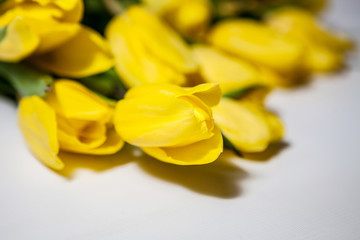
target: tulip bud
<point>171,123</point>
<point>71,118</point>
<point>146,50</point>
<point>258,44</point>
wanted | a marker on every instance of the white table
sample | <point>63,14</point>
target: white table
<point>309,190</point>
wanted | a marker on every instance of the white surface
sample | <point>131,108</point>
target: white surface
<point>310,190</point>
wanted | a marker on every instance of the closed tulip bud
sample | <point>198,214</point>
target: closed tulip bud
<point>258,43</point>
<point>324,50</point>
<point>247,125</point>
<point>171,123</point>
<point>146,50</point>
<point>71,118</point>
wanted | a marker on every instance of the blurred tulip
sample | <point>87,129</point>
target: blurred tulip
<point>71,118</point>
<point>189,17</point>
<point>258,43</point>
<point>146,50</point>
<point>247,125</point>
<point>232,74</point>
<point>171,123</point>
<point>324,50</point>
<point>53,34</point>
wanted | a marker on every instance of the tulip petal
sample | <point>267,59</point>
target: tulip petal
<point>73,12</point>
<point>111,145</point>
<point>209,93</point>
<point>230,72</point>
<point>17,41</point>
<point>202,152</point>
<point>73,100</point>
<point>37,122</point>
<point>134,63</point>
<point>275,126</point>
<point>52,33</point>
<point>85,54</point>
<point>244,125</point>
<point>161,40</point>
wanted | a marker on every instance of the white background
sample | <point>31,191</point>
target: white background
<point>308,190</point>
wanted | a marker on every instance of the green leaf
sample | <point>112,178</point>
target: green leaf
<point>25,80</point>
<point>241,92</point>
<point>107,84</point>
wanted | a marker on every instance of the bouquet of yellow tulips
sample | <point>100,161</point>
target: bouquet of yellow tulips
<point>179,79</point>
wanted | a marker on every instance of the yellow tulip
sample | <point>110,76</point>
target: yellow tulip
<point>233,74</point>
<point>146,50</point>
<point>258,43</point>
<point>171,123</point>
<point>53,34</point>
<point>189,17</point>
<point>247,125</point>
<point>71,118</point>
<point>324,50</point>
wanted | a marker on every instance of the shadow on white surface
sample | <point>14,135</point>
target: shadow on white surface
<point>273,150</point>
<point>221,178</point>
<point>100,163</point>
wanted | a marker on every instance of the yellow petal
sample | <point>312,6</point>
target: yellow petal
<point>94,139</point>
<point>38,123</point>
<point>67,10</point>
<point>72,140</point>
<point>231,73</point>
<point>163,119</point>
<point>52,33</point>
<point>202,152</point>
<point>320,59</point>
<point>85,54</point>
<point>160,40</point>
<point>209,93</point>
<point>109,143</point>
<point>258,43</point>
<point>275,126</point>
<point>189,17</point>
<point>73,100</point>
<point>133,62</point>
<point>73,12</point>
<point>18,41</point>
<point>245,126</point>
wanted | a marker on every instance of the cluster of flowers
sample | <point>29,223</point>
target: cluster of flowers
<point>183,97</point>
